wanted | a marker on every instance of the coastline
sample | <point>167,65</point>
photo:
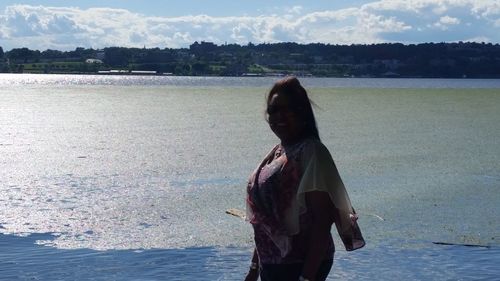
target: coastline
<point>118,72</point>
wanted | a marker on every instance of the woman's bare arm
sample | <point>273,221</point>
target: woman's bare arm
<point>320,206</point>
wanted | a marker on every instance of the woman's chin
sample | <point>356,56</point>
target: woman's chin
<point>281,133</point>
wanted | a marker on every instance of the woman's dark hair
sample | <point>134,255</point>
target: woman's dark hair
<point>299,102</point>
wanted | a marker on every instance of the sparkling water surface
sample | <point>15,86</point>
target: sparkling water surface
<point>128,178</point>
<point>203,81</point>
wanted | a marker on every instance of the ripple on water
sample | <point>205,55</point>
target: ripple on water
<point>413,260</point>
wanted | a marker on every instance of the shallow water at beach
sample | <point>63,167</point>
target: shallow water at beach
<point>27,261</point>
<point>130,180</point>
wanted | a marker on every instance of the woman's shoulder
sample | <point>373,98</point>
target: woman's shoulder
<point>313,145</point>
<point>314,151</point>
<point>272,150</point>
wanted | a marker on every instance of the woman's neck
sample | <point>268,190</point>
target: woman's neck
<point>292,142</point>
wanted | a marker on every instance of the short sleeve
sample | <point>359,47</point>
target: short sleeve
<point>321,174</point>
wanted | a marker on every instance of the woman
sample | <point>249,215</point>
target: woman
<point>295,195</point>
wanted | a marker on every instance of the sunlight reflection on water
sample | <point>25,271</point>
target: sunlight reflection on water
<point>126,167</point>
<point>195,81</point>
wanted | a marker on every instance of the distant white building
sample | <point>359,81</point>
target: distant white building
<point>93,61</point>
<point>143,72</point>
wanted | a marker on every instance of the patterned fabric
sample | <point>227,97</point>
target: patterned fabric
<point>276,201</point>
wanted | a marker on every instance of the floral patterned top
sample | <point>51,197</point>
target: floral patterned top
<point>276,202</point>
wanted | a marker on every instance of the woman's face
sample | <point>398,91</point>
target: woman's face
<point>284,122</point>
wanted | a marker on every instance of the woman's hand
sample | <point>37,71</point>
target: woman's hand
<point>252,275</point>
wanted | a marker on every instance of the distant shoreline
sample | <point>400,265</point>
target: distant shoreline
<point>247,76</point>
<point>389,60</point>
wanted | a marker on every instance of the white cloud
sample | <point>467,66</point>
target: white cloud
<point>439,20</point>
<point>383,24</point>
<point>294,10</point>
<point>478,39</point>
<point>445,22</point>
<point>416,21</point>
<point>449,20</point>
<point>486,8</point>
<point>440,9</point>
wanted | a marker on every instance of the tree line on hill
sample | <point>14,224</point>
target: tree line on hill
<point>446,60</point>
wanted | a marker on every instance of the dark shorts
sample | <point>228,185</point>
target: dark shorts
<point>291,272</point>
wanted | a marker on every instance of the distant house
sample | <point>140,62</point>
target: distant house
<point>93,61</point>
<point>182,54</point>
<point>391,64</point>
<point>391,74</point>
<point>100,55</point>
<point>143,72</point>
<point>226,55</point>
<point>318,59</point>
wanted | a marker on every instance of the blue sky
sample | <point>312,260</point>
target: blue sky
<point>65,25</point>
<point>194,7</point>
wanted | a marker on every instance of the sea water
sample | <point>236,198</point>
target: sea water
<point>128,178</point>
